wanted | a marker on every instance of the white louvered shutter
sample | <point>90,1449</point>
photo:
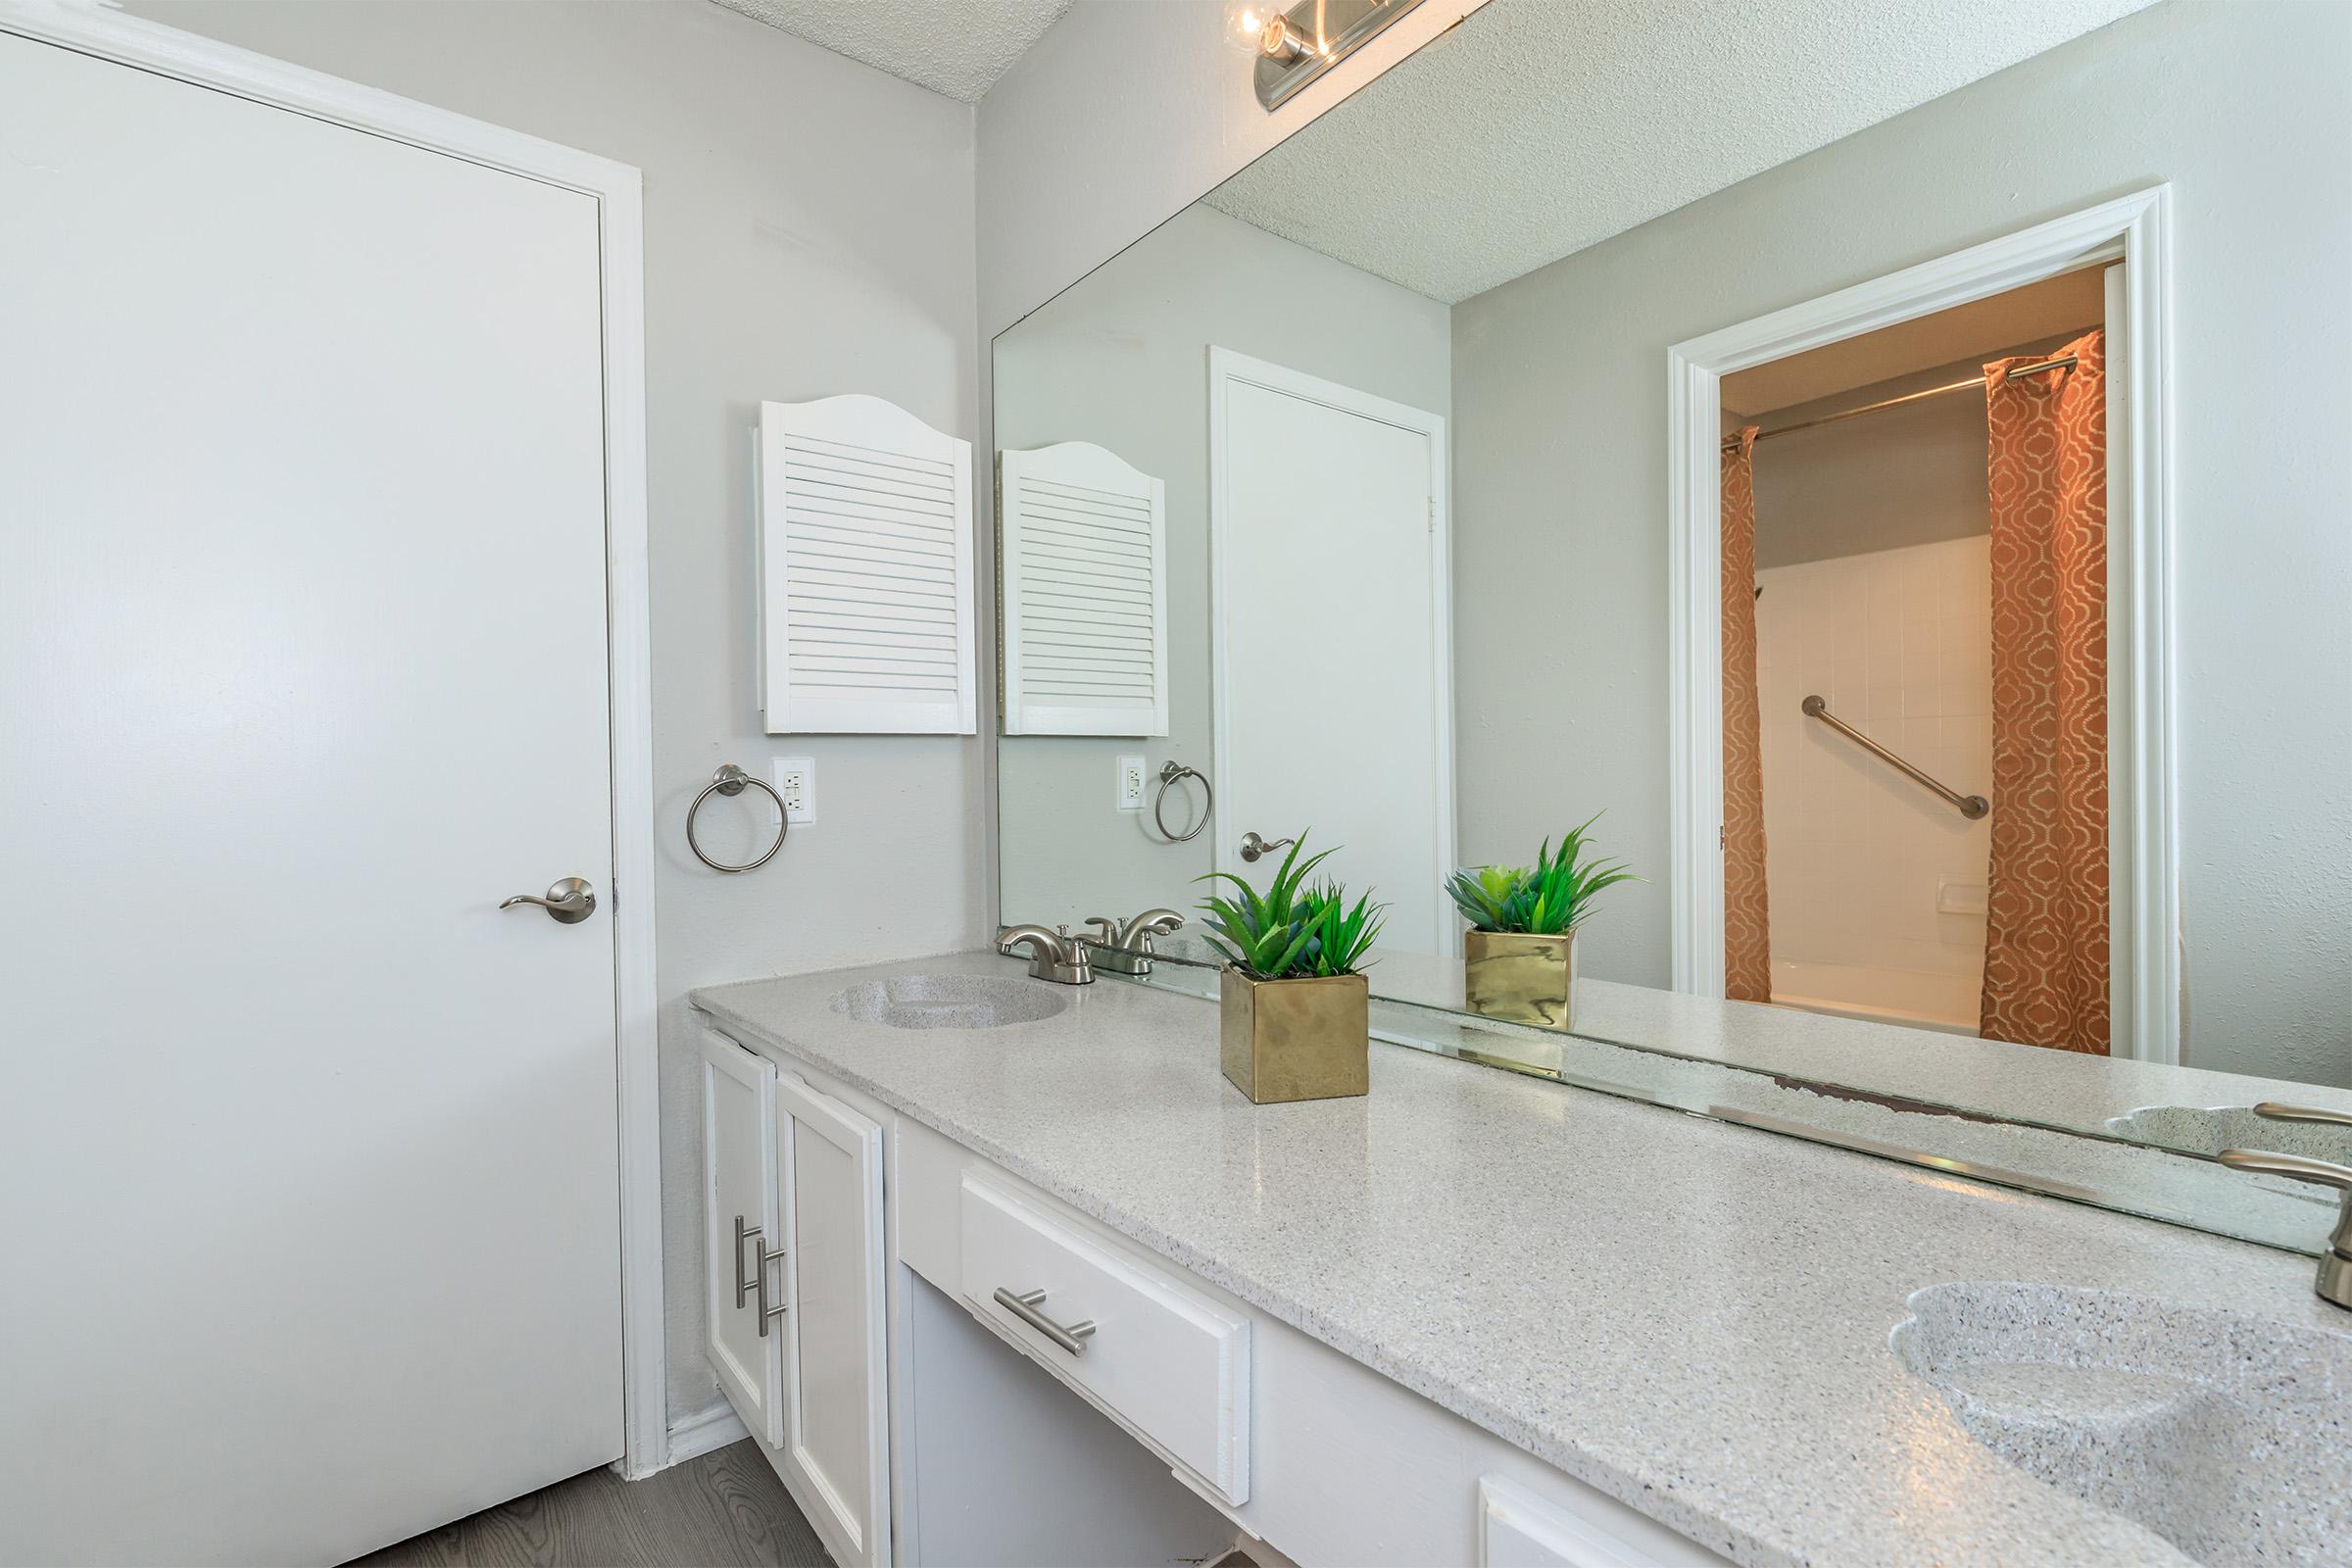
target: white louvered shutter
<point>865,571</point>
<point>1085,593</point>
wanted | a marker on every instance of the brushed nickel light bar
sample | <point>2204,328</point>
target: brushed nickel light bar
<point>1297,45</point>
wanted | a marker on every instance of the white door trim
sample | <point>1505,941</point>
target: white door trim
<point>1226,367</point>
<point>2146,844</point>
<point>615,188</point>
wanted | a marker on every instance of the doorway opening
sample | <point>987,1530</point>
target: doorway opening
<point>1923,734</point>
<point>1861,480</point>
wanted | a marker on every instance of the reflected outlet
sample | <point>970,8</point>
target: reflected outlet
<point>796,782</point>
<point>1131,783</point>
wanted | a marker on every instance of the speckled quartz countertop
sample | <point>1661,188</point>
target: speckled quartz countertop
<point>1691,1316</point>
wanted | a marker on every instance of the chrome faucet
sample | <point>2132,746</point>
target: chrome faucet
<point>2335,1264</point>
<point>1127,948</point>
<point>1055,955</point>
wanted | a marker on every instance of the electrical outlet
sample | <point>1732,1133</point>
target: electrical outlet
<point>1131,783</point>
<point>796,781</point>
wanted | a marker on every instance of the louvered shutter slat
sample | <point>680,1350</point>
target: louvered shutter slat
<point>865,571</point>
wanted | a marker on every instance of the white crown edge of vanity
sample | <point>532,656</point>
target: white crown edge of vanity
<point>1321,1456</point>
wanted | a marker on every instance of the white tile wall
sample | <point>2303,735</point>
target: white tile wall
<point>1899,644</point>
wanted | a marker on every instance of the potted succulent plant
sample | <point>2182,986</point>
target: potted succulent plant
<point>1295,1010</point>
<point>1519,954</point>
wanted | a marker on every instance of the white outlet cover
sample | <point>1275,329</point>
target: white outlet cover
<point>796,781</point>
<point>1131,783</point>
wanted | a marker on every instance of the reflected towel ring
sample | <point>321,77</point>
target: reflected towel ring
<point>1168,775</point>
<point>731,780</point>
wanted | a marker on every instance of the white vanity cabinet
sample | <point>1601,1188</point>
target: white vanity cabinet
<point>1244,1428</point>
<point>795,1242</point>
<point>1300,1448</point>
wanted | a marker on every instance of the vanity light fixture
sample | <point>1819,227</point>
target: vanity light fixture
<point>1297,45</point>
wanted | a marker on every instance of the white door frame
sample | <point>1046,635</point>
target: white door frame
<point>1226,367</point>
<point>201,62</point>
<point>2144,845</point>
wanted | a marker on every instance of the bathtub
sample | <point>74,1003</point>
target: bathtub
<point>1944,1003</point>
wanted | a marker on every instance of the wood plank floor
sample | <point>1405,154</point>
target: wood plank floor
<point>726,1509</point>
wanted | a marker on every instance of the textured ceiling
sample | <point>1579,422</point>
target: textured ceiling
<point>1538,128</point>
<point>956,47</point>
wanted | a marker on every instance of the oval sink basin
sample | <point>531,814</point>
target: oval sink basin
<point>2221,1432</point>
<point>949,1002</point>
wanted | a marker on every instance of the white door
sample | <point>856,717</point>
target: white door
<point>308,1166</point>
<point>1332,639</point>
<point>836,1454</point>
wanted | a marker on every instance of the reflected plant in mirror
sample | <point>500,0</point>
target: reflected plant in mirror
<point>1519,957</point>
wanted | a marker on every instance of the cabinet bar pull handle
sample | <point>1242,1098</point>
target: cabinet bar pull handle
<point>760,1287</point>
<point>743,1283</point>
<point>1024,1307</point>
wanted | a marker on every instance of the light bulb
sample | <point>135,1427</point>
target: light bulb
<point>1244,21</point>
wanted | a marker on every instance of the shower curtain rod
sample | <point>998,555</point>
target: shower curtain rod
<point>2065,361</point>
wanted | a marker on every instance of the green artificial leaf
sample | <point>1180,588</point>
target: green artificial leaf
<point>1293,929</point>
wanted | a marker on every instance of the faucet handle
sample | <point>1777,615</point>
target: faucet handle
<point>2277,1112</point>
<point>1110,931</point>
<point>2262,1160</point>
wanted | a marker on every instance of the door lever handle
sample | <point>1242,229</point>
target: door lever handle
<point>1252,845</point>
<point>568,901</point>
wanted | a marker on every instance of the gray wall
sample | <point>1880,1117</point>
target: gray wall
<point>1560,449</point>
<point>1121,360</point>
<point>776,267</point>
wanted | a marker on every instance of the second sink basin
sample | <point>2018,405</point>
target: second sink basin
<point>2221,1432</point>
<point>949,1002</point>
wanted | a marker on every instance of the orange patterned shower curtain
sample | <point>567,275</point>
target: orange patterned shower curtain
<point>2045,937</point>
<point>1746,921</point>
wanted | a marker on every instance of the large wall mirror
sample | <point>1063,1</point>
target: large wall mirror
<point>1914,549</point>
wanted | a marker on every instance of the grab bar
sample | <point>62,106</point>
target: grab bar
<point>1971,806</point>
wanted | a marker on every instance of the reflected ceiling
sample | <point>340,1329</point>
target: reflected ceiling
<point>1538,128</point>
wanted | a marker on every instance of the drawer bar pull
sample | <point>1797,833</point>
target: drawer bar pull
<point>1024,1307</point>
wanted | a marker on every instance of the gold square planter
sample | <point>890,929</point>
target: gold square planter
<point>1517,978</point>
<point>1288,1040</point>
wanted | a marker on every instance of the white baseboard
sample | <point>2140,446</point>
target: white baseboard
<point>695,1435</point>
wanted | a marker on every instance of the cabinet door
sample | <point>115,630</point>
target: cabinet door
<point>836,1427</point>
<point>741,1271</point>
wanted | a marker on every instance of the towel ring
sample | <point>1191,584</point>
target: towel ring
<point>731,780</point>
<point>1168,775</point>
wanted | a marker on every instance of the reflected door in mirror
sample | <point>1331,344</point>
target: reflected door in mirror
<point>1329,556</point>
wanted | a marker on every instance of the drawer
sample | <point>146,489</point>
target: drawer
<point>1163,1360</point>
<point>1566,1523</point>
